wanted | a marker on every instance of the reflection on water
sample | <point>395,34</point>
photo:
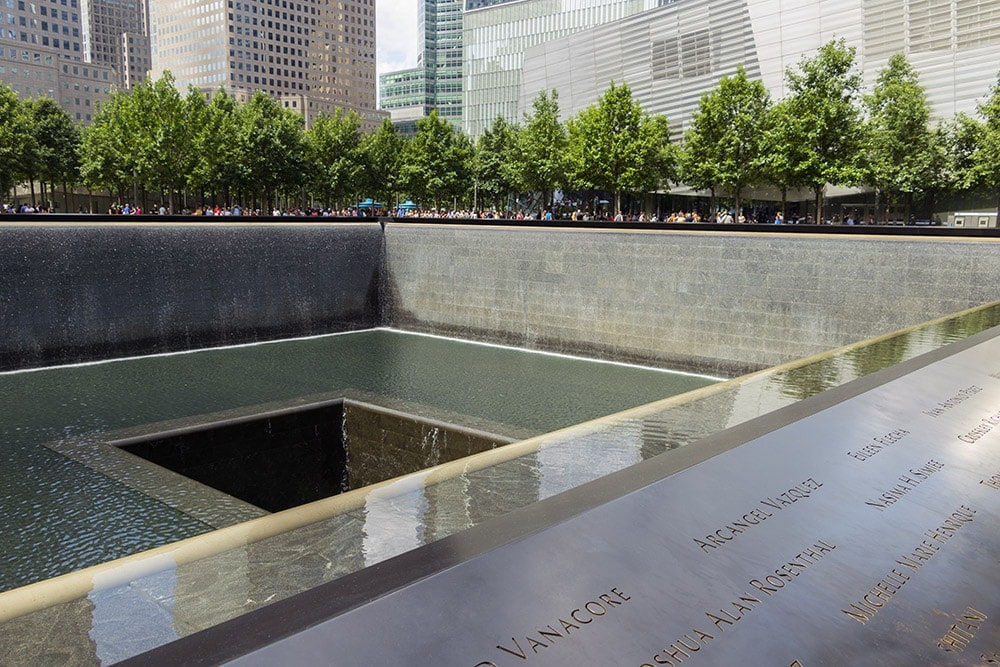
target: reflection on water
<point>416,510</point>
<point>60,516</point>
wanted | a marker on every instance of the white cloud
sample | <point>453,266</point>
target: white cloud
<point>396,35</point>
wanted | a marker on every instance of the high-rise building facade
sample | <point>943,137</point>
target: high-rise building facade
<point>442,55</point>
<point>42,55</point>
<point>312,55</point>
<point>436,81</point>
<point>116,35</point>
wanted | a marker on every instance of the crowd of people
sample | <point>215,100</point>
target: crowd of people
<point>722,216</point>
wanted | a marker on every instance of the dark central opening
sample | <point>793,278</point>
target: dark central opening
<point>283,459</point>
<point>274,461</point>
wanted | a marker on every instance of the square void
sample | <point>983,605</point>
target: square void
<point>274,461</point>
<point>282,459</point>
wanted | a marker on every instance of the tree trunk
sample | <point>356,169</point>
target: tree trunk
<point>34,200</point>
<point>784,202</point>
<point>819,203</point>
<point>736,193</point>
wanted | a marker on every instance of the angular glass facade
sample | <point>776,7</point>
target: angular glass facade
<point>495,40</point>
<point>673,54</point>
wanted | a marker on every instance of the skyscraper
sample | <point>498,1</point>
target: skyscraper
<point>312,55</point>
<point>116,35</point>
<point>42,55</point>
<point>436,82</point>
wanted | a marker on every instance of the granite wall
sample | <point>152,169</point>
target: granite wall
<point>382,443</point>
<point>724,302</point>
<point>710,301</point>
<point>73,292</point>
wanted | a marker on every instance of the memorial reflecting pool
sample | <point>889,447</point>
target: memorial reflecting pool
<point>60,516</point>
<point>113,612</point>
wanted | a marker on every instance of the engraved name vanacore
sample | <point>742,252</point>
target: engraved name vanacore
<point>766,508</point>
<point>554,634</point>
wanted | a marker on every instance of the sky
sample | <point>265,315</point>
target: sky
<point>395,35</point>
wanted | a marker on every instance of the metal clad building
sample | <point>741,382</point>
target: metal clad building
<point>673,54</point>
<point>497,36</point>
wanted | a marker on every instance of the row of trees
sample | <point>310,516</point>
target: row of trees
<point>824,132</point>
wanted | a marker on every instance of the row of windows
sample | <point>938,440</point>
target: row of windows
<point>33,38</point>
<point>247,78</point>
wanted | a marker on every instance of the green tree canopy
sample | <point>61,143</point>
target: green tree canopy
<point>333,157</point>
<point>616,146</point>
<point>899,155</point>
<point>57,142</point>
<point>435,162</point>
<point>986,156</point>
<point>381,156</point>
<point>15,132</point>
<point>542,145</point>
<point>726,138</point>
<point>783,150</point>
<point>494,163</point>
<point>106,157</point>
<point>216,160</point>
<point>823,98</point>
<point>269,141</point>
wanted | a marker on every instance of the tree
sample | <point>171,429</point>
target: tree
<point>105,150</point>
<point>435,161</point>
<point>332,155</point>
<point>493,163</point>
<point>269,140</point>
<point>15,131</point>
<point>381,154</point>
<point>961,137</point>
<point>217,158</point>
<point>986,156</point>
<point>783,150</point>
<point>614,145</point>
<point>542,145</point>
<point>899,156</point>
<point>165,134</point>
<point>57,140</point>
<point>823,98</point>
<point>727,133</point>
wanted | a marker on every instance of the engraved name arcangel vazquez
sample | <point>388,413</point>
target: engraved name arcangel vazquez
<point>766,509</point>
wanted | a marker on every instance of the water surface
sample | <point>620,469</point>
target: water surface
<point>59,515</point>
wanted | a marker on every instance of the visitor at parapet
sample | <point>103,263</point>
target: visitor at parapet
<point>778,218</point>
<point>726,219</point>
